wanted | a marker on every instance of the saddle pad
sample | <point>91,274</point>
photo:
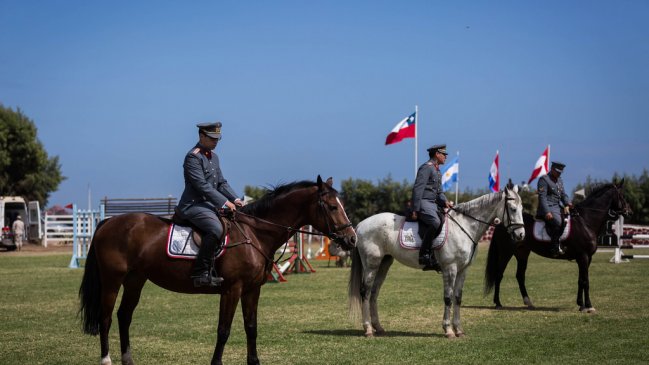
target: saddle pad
<point>540,234</point>
<point>410,240</point>
<point>181,245</point>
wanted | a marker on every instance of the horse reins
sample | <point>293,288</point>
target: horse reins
<point>333,233</point>
<point>505,211</point>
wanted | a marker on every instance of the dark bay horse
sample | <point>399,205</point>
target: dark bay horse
<point>129,249</point>
<point>588,219</point>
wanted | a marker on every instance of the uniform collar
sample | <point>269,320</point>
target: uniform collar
<point>204,151</point>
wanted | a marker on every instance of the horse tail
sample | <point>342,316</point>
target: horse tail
<point>90,291</point>
<point>491,270</point>
<point>355,285</point>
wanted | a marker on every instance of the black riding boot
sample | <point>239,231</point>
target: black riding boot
<point>203,273</point>
<point>556,250</point>
<point>426,254</point>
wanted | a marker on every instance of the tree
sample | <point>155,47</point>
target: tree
<point>25,168</point>
<point>254,192</point>
<point>363,199</point>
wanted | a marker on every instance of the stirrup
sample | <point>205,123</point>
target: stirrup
<point>205,279</point>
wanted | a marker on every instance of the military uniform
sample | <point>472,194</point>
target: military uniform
<point>427,197</point>
<point>552,199</point>
<point>206,191</point>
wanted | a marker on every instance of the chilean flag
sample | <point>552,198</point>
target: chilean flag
<point>404,129</point>
<point>541,166</point>
<point>494,176</point>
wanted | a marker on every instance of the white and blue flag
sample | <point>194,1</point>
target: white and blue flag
<point>449,172</point>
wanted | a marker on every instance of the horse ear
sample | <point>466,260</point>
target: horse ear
<point>319,181</point>
<point>330,181</point>
<point>516,189</point>
<point>621,183</point>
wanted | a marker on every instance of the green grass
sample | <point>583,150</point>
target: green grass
<point>304,321</point>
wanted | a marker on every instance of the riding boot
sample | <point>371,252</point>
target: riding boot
<point>204,273</point>
<point>556,250</point>
<point>426,255</point>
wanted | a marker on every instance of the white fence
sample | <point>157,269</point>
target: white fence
<point>58,229</point>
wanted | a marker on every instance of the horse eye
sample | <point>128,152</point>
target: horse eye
<point>333,207</point>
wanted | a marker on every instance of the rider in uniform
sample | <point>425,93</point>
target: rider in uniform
<point>206,191</point>
<point>552,198</point>
<point>427,197</point>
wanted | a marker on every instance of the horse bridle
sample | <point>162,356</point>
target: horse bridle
<point>612,213</point>
<point>333,232</point>
<point>509,225</point>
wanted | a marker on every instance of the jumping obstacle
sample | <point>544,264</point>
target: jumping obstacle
<point>84,223</point>
<point>296,263</point>
<point>616,241</point>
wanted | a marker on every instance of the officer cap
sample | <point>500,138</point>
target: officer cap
<point>212,130</point>
<point>441,148</point>
<point>558,166</point>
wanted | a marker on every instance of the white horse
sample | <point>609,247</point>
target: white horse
<point>378,245</point>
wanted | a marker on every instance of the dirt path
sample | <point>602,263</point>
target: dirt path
<point>30,249</point>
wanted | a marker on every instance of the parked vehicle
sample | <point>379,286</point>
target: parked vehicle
<point>10,208</point>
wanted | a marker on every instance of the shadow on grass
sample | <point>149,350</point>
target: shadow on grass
<point>359,333</point>
<point>513,309</point>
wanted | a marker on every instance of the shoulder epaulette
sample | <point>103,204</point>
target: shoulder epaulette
<point>196,150</point>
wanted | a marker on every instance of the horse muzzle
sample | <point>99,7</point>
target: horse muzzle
<point>518,234</point>
<point>346,240</point>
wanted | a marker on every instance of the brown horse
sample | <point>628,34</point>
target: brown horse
<point>604,203</point>
<point>129,249</point>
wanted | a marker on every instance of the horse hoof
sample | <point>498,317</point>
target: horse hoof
<point>380,332</point>
<point>369,334</point>
<point>450,335</point>
<point>590,310</point>
<point>498,306</point>
<point>459,334</point>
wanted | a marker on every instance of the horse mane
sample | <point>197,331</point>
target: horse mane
<point>596,192</point>
<point>480,203</point>
<point>262,205</point>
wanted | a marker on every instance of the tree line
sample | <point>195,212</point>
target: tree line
<point>363,198</point>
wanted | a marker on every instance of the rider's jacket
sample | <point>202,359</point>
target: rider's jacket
<point>552,196</point>
<point>428,187</point>
<point>204,181</point>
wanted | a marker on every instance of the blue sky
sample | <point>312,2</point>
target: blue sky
<point>306,88</point>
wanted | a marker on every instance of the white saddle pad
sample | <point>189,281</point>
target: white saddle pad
<point>410,240</point>
<point>181,245</point>
<point>540,234</point>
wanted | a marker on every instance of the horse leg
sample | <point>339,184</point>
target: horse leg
<point>521,267</point>
<point>505,257</point>
<point>110,289</point>
<point>449,273</point>
<point>133,285</point>
<point>228,306</point>
<point>459,285</point>
<point>249,303</point>
<point>583,285</point>
<point>378,282</point>
<point>370,269</point>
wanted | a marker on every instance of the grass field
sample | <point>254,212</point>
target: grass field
<point>304,321</point>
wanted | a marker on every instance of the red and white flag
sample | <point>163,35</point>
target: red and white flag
<point>494,176</point>
<point>404,129</point>
<point>541,166</point>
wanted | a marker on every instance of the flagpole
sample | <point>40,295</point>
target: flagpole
<point>457,181</point>
<point>416,136</point>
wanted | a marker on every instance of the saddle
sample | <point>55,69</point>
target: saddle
<point>540,234</point>
<point>184,238</point>
<point>409,235</point>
